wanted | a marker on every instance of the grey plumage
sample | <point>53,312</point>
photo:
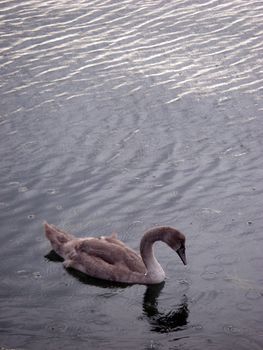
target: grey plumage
<point>110,259</point>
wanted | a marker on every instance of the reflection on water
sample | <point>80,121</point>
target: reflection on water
<point>117,116</point>
<point>53,256</point>
<point>161,322</point>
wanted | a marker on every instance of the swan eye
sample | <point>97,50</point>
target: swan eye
<point>181,248</point>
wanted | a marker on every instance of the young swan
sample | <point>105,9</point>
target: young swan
<point>110,259</point>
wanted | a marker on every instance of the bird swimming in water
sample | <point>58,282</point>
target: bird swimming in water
<point>110,259</point>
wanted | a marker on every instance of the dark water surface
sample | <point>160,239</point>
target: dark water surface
<point>117,116</point>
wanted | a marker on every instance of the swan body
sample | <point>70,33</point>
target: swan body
<point>110,259</point>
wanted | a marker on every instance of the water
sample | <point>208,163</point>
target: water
<point>118,116</point>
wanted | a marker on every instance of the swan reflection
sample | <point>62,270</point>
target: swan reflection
<point>163,322</point>
<point>160,322</point>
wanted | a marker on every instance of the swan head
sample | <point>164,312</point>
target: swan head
<point>176,240</point>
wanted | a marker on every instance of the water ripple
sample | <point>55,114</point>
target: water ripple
<point>186,48</point>
<point>120,115</point>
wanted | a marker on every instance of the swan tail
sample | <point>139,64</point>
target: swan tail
<point>57,237</point>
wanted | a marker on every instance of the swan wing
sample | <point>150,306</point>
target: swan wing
<point>111,253</point>
<point>113,239</point>
<point>95,266</point>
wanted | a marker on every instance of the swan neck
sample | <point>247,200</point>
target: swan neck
<point>155,273</point>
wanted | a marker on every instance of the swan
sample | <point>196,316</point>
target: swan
<point>110,259</point>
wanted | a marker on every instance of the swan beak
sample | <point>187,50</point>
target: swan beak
<point>181,253</point>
